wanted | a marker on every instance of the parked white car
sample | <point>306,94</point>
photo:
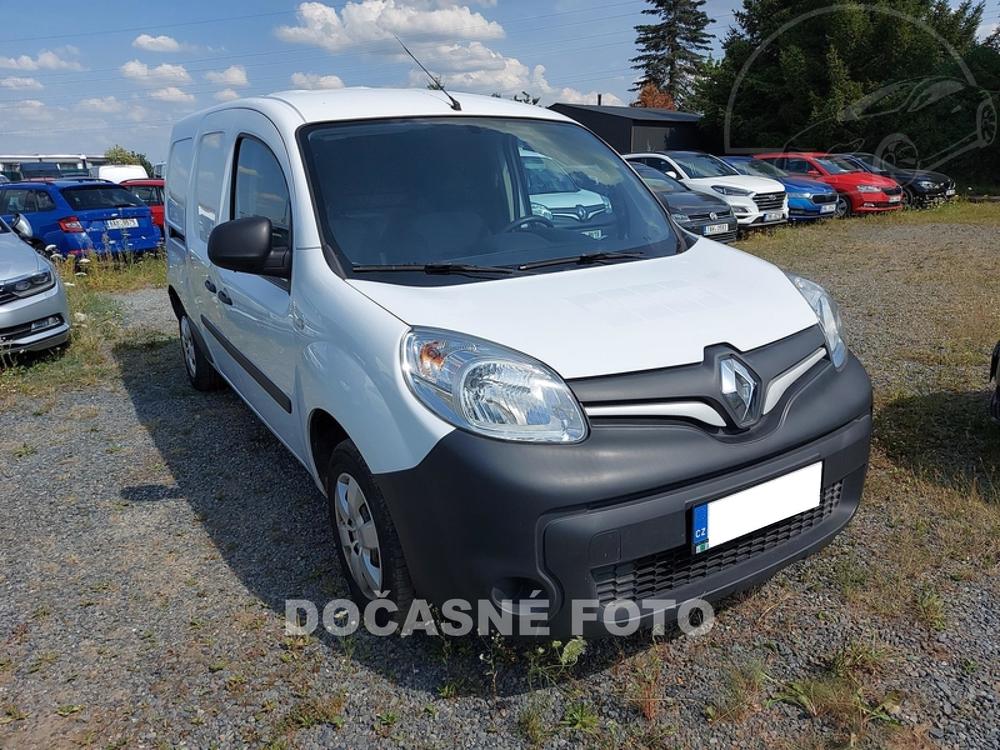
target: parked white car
<point>555,196</point>
<point>756,201</point>
<point>34,315</point>
<point>119,173</point>
<point>499,408</point>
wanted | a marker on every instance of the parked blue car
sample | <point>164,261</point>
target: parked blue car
<point>81,216</point>
<point>808,200</point>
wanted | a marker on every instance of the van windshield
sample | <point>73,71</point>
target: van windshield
<point>477,191</point>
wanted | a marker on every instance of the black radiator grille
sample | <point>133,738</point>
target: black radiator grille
<point>663,572</point>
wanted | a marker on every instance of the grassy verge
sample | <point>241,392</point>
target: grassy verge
<point>98,324</point>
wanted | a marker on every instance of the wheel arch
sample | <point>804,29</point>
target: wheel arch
<point>325,434</point>
<point>175,302</point>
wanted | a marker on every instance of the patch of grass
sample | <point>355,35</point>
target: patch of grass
<point>69,709</point>
<point>311,712</point>
<point>533,724</point>
<point>930,608</point>
<point>11,713</point>
<point>24,450</point>
<point>580,717</point>
<point>857,659</point>
<point>740,693</point>
<point>839,701</point>
<point>97,326</point>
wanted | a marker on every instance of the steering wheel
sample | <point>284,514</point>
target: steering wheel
<point>529,219</point>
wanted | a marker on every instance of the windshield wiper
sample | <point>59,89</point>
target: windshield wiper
<point>582,260</point>
<point>442,268</point>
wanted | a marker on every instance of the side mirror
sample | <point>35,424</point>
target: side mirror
<point>22,227</point>
<point>246,245</point>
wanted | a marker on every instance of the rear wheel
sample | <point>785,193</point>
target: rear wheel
<point>200,371</point>
<point>370,554</point>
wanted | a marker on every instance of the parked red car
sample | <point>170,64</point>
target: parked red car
<point>860,192</point>
<point>149,192</point>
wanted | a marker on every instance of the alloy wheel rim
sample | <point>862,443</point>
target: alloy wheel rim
<point>358,535</point>
<point>187,341</point>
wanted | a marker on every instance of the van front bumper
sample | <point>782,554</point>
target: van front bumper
<point>610,518</point>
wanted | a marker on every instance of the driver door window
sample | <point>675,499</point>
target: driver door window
<point>259,189</point>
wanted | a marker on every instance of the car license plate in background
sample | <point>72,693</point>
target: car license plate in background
<point>716,229</point>
<point>772,216</point>
<point>121,223</point>
<point>949,191</point>
<point>894,199</point>
<point>733,516</point>
<point>827,208</point>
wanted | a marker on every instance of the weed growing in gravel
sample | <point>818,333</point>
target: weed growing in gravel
<point>740,693</point>
<point>25,450</point>
<point>312,712</point>
<point>11,713</point>
<point>547,664</point>
<point>580,717</point>
<point>532,721</point>
<point>930,608</point>
<point>69,709</point>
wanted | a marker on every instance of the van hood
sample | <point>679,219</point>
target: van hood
<point>602,320</point>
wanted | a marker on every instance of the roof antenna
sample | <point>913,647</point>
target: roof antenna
<point>437,83</point>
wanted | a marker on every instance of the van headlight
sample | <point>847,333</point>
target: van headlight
<point>828,313</point>
<point>490,390</point>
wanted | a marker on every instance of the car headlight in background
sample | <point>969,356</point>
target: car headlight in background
<point>828,313</point>
<point>680,218</point>
<point>729,190</point>
<point>926,184</point>
<point>868,189</point>
<point>800,195</point>
<point>607,203</point>
<point>490,390</point>
<point>539,210</point>
<point>25,286</point>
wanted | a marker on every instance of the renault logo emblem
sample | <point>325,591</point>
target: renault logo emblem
<point>740,390</point>
<point>581,213</point>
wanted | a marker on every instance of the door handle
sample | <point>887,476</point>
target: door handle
<point>210,286</point>
<point>224,298</point>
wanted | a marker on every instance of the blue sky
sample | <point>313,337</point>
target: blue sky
<point>77,77</point>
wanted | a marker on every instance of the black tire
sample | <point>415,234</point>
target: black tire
<point>201,373</point>
<point>843,209</point>
<point>396,586</point>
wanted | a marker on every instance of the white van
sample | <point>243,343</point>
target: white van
<point>119,172</point>
<point>498,406</point>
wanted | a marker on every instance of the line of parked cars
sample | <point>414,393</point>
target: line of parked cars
<point>770,189</point>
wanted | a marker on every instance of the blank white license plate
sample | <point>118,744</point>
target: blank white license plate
<point>772,216</point>
<point>733,516</point>
<point>716,229</point>
<point>121,223</point>
<point>894,199</point>
<point>827,208</point>
<point>949,191</point>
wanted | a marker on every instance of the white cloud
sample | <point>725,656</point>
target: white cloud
<point>316,81</point>
<point>226,95</point>
<point>33,110</point>
<point>364,21</point>
<point>234,75</point>
<point>480,70</point>
<point>17,82</point>
<point>46,60</point>
<point>106,104</point>
<point>162,43</point>
<point>155,76</point>
<point>173,95</point>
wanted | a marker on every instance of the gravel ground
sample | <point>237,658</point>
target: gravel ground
<point>151,535</point>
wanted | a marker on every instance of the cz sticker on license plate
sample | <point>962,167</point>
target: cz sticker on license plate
<point>720,521</point>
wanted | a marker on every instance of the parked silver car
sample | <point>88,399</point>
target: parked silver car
<point>33,312</point>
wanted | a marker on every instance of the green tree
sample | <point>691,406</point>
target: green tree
<point>120,155</point>
<point>672,50</point>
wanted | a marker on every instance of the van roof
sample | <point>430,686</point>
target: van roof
<point>290,109</point>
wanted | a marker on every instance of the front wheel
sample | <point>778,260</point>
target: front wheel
<point>370,554</point>
<point>200,371</point>
<point>843,207</point>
